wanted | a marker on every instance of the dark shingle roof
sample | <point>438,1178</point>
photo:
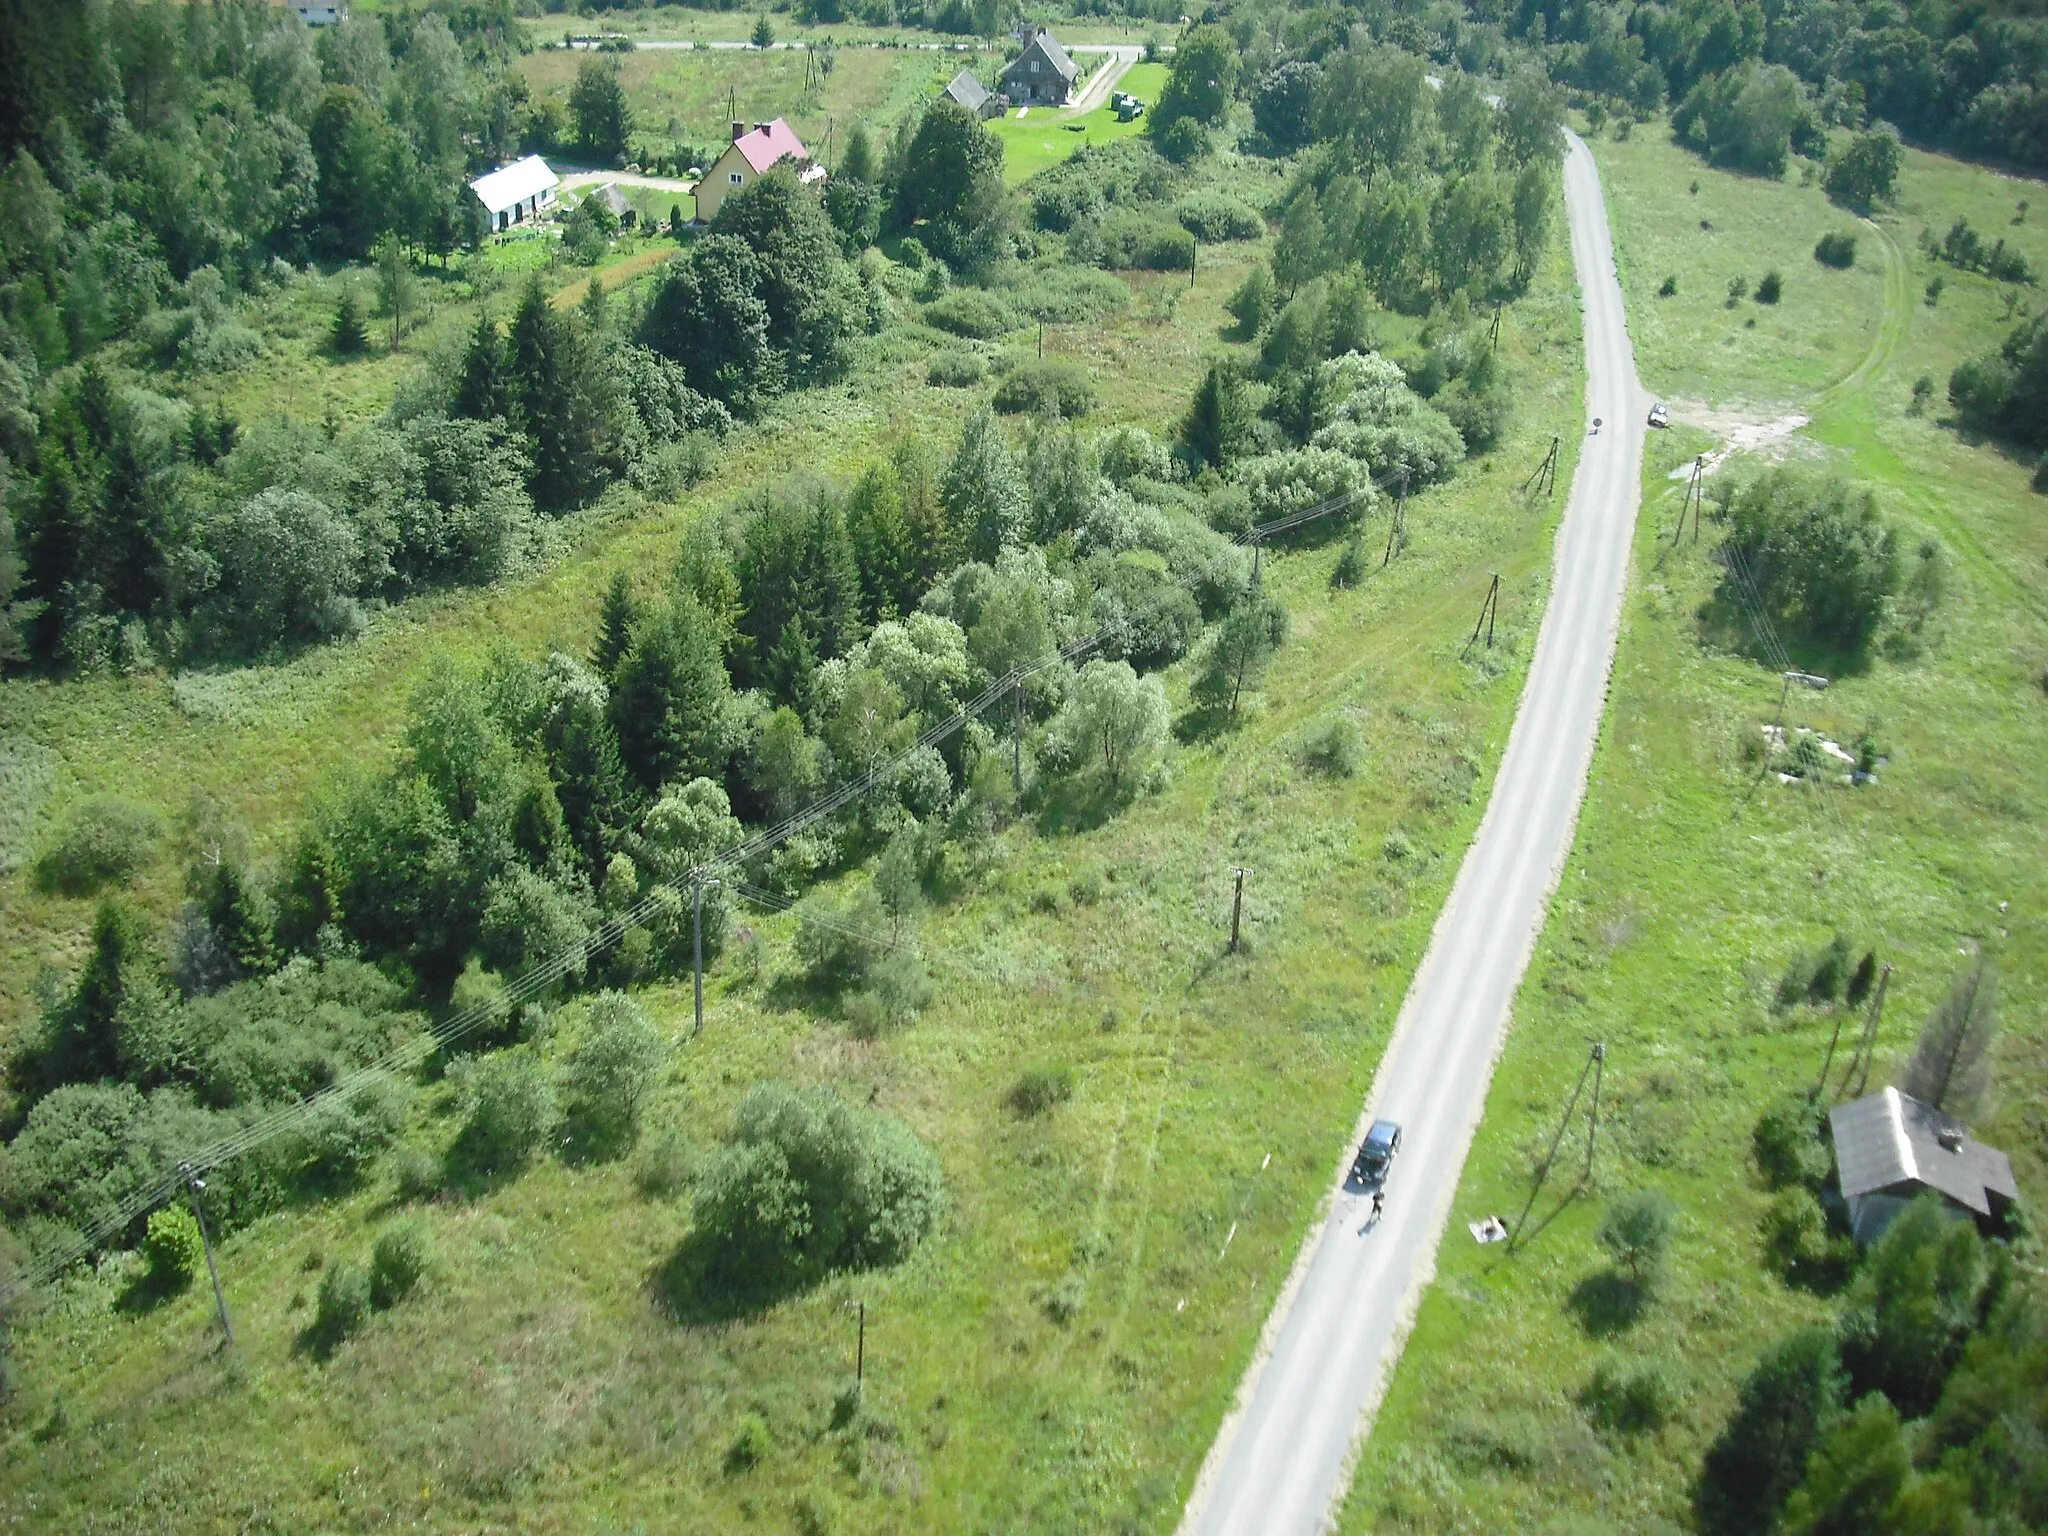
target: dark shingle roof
<point>1048,45</point>
<point>967,90</point>
<point>1889,1140</point>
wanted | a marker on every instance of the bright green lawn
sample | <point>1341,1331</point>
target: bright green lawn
<point>1045,136</point>
<point>1692,885</point>
<point>535,1385</point>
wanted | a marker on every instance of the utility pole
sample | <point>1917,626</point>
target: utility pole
<point>193,1185</point>
<point>1258,544</point>
<point>1041,341</point>
<point>1236,903</point>
<point>1397,530</point>
<point>1017,737</point>
<point>697,884</point>
<point>1493,332</point>
<point>1545,478</point>
<point>1859,1063</point>
<point>1593,1131</point>
<point>1695,493</point>
<point>1487,610</point>
<point>860,1346</point>
<point>1194,251</point>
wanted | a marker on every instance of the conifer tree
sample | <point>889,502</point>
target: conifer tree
<point>482,391</point>
<point>348,336</point>
<point>615,620</point>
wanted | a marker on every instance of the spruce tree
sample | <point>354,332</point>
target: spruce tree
<point>615,620</point>
<point>596,797</point>
<point>243,923</point>
<point>483,391</point>
<point>672,702</point>
<point>1217,427</point>
<point>348,336</point>
<point>984,490</point>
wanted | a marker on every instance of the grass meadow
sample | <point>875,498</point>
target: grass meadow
<point>1693,883</point>
<point>1058,1355</point>
<point>692,96</point>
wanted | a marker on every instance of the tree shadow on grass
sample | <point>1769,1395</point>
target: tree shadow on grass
<point>1200,723</point>
<point>690,1286</point>
<point>148,1291</point>
<point>1609,1303</point>
<point>1080,805</point>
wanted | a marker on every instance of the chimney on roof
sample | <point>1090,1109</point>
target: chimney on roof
<point>760,127</point>
<point>1950,1138</point>
<point>738,132</point>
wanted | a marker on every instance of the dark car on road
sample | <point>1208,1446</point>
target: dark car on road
<point>1376,1152</point>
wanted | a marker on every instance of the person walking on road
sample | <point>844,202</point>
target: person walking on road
<point>1379,1205</point>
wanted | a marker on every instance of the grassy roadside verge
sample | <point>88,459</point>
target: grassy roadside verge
<point>1691,887</point>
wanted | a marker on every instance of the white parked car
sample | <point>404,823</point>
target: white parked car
<point>1660,415</point>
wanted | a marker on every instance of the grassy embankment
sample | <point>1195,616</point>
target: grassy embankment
<point>1692,885</point>
<point>536,1382</point>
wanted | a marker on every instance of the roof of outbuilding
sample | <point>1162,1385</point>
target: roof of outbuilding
<point>770,143</point>
<point>967,90</point>
<point>514,183</point>
<point>1888,1139</point>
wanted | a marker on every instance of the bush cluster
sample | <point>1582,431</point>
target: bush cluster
<point>807,1184</point>
<point>1045,387</point>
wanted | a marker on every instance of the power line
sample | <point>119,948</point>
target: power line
<point>283,1119</point>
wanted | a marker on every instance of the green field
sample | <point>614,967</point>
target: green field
<point>536,1383</point>
<point>1044,136</point>
<point>692,96</point>
<point>1693,882</point>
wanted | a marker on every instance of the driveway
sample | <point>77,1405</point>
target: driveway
<point>1280,1465</point>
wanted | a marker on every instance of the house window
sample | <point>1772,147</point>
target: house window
<point>1034,66</point>
<point>734,178</point>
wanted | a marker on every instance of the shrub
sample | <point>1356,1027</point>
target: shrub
<point>613,1067</point>
<point>1142,242</point>
<point>1041,1088</point>
<point>1668,288</point>
<point>808,1184</point>
<point>1837,250</point>
<point>1214,217</point>
<point>971,313</point>
<point>750,1442</point>
<point>104,839</point>
<point>398,1263</point>
<point>1631,1398</point>
<point>1820,557</point>
<point>1770,287</point>
<point>1738,290</point>
<point>898,989</point>
<point>173,1248</point>
<point>511,1109</point>
<point>665,1165</point>
<point>1637,1232</point>
<point>1333,745</point>
<point>1349,570</point>
<point>1923,391</point>
<point>1064,1301</point>
<point>836,944</point>
<point>342,1306</point>
<point>957,370</point>
<point>1794,1231</point>
<point>1045,388</point>
<point>1787,1146</point>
